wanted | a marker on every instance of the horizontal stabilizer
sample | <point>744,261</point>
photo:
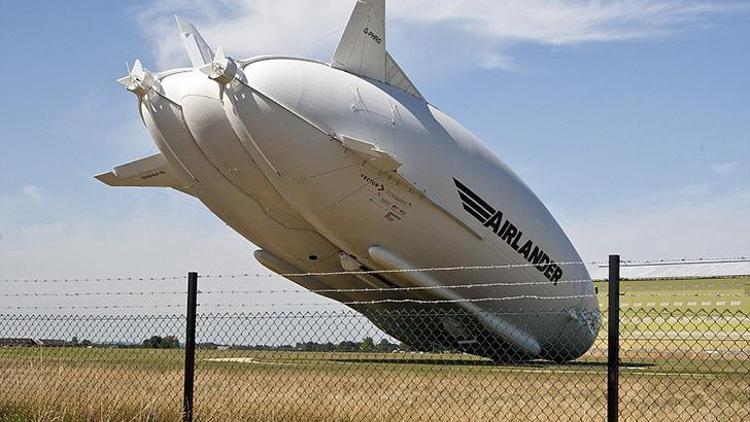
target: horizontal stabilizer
<point>153,171</point>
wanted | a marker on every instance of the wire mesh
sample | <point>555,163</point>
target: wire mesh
<point>74,368</point>
<point>341,365</point>
<point>683,364</point>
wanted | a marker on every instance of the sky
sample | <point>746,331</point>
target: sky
<point>630,119</point>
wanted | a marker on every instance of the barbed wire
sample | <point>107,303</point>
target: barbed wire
<point>399,289</point>
<point>349,303</point>
<point>92,307</point>
<point>357,290</point>
<point>297,291</point>
<point>296,275</point>
<point>680,261</point>
<point>680,278</point>
<point>404,301</point>
<point>89,294</point>
<point>398,270</point>
<point>91,280</point>
<point>683,295</point>
<point>601,264</point>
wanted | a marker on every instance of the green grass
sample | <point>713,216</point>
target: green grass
<point>703,294</point>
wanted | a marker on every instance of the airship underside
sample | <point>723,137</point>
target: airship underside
<point>344,168</point>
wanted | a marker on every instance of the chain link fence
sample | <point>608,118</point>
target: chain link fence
<point>340,366</point>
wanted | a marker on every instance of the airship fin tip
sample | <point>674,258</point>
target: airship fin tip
<point>362,51</point>
<point>197,48</point>
<point>153,171</point>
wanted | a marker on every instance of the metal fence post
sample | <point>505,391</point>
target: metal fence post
<point>613,340</point>
<point>192,303</point>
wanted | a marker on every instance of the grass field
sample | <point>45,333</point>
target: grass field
<point>125,384</point>
<point>704,294</point>
<point>679,363</point>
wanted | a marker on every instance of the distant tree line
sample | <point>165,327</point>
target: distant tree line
<point>366,345</point>
<point>153,342</point>
<point>159,342</point>
<point>74,342</point>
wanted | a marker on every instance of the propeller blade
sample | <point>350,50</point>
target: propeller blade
<point>140,81</point>
<point>198,50</point>
<point>222,69</point>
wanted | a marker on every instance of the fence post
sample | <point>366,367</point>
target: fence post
<point>613,340</point>
<point>192,303</point>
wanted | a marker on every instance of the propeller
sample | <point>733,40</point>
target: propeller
<point>222,69</point>
<point>139,80</point>
<point>218,67</point>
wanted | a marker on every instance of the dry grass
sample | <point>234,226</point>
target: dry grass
<point>136,385</point>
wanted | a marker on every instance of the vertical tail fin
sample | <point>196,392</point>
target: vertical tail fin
<point>198,50</point>
<point>362,51</point>
<point>362,47</point>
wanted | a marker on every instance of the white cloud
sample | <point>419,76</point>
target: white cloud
<point>143,241</point>
<point>11,203</point>
<point>33,192</point>
<point>137,246</point>
<point>494,61</point>
<point>562,21</point>
<point>725,169</point>
<point>702,227</point>
<point>245,28</point>
<point>253,27</point>
<point>152,245</point>
<point>141,246</point>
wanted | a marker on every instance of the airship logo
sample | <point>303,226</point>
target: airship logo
<point>494,219</point>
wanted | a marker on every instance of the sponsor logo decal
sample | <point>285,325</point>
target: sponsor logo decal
<point>494,219</point>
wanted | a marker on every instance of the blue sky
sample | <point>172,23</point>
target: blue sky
<point>630,119</point>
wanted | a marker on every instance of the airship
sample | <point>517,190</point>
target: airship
<point>354,186</point>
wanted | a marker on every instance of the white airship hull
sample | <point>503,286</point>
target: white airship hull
<point>329,170</point>
<point>276,170</point>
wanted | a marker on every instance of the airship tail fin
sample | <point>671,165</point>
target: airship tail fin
<point>198,50</point>
<point>394,76</point>
<point>362,47</point>
<point>153,171</point>
<point>362,51</point>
